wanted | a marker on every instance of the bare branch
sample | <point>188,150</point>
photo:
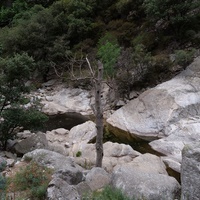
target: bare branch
<point>89,65</point>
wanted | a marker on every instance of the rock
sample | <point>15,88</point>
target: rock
<point>148,116</point>
<point>68,100</point>
<point>35,141</point>
<point>57,140</point>
<point>97,178</point>
<point>83,133</point>
<point>72,176</point>
<point>25,134</point>
<point>114,154</point>
<point>49,83</point>
<point>137,184</point>
<point>52,160</point>
<point>170,163</point>
<point>181,133</point>
<point>10,162</point>
<point>83,189</point>
<point>190,171</point>
<point>61,131</point>
<point>61,190</point>
<point>154,163</point>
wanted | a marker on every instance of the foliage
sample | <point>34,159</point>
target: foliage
<point>7,13</point>
<point>14,72</point>
<point>108,193</point>
<point>176,14</point>
<point>108,53</point>
<point>3,164</point>
<point>78,154</point>
<point>132,67</point>
<point>184,57</point>
<point>3,183</point>
<point>33,179</point>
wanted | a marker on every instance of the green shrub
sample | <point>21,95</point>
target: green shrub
<point>2,187</point>
<point>33,179</point>
<point>184,57</point>
<point>78,154</point>
<point>2,165</point>
<point>108,193</point>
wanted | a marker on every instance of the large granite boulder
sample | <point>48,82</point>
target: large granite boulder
<point>58,140</point>
<point>60,189</point>
<point>190,171</point>
<point>114,154</point>
<point>82,133</point>
<point>35,141</point>
<point>52,160</point>
<point>68,100</point>
<point>62,141</point>
<point>97,178</point>
<point>147,116</point>
<point>181,133</point>
<point>145,178</point>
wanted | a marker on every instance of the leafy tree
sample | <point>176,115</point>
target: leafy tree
<point>14,72</point>
<point>132,67</point>
<point>7,13</point>
<point>175,14</point>
<point>108,52</point>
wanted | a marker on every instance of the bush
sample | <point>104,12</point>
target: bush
<point>184,57</point>
<point>33,179</point>
<point>2,187</point>
<point>108,193</point>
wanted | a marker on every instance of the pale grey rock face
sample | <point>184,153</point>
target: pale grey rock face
<point>68,100</point>
<point>63,141</point>
<point>149,115</point>
<point>52,160</point>
<point>148,163</point>
<point>144,185</point>
<point>61,190</point>
<point>57,139</point>
<point>97,178</point>
<point>181,133</point>
<point>83,132</point>
<point>190,172</point>
<point>35,141</point>
<point>114,154</point>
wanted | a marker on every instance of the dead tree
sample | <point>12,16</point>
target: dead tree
<point>98,80</point>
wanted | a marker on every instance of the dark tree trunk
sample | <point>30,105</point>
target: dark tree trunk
<point>99,116</point>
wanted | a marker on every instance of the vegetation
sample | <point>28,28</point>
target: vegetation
<point>133,40</point>
<point>15,71</point>
<point>32,181</point>
<point>108,193</point>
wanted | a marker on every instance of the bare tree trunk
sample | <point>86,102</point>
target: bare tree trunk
<point>99,116</point>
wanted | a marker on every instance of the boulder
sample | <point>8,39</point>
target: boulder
<point>114,154</point>
<point>62,140</point>
<point>57,139</point>
<point>83,133</point>
<point>190,171</point>
<point>52,160</point>
<point>181,133</point>
<point>148,116</point>
<point>68,100</point>
<point>36,141</point>
<point>60,189</point>
<point>154,163</point>
<point>139,184</point>
<point>97,178</point>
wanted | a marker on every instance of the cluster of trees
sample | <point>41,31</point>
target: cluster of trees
<point>42,37</point>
